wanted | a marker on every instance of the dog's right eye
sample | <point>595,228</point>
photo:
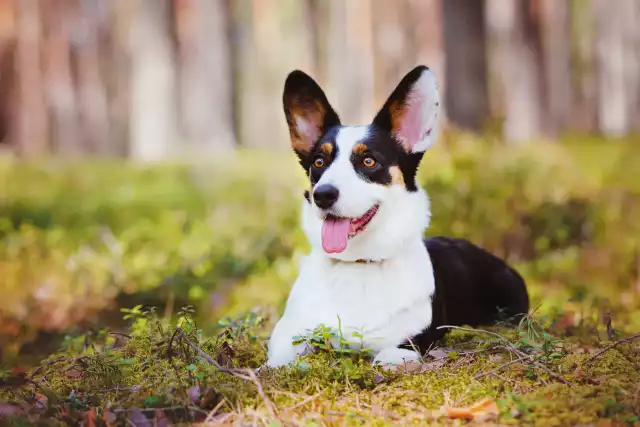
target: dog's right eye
<point>319,162</point>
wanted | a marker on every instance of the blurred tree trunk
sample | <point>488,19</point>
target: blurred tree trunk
<point>118,74</point>
<point>265,53</point>
<point>557,62</point>
<point>583,66</point>
<point>632,43</point>
<point>393,45</point>
<point>427,18</point>
<point>515,37</point>
<point>312,19</point>
<point>206,82</point>
<point>610,57</point>
<point>350,73</point>
<point>33,126</point>
<point>467,93</point>
<point>89,24</point>
<point>153,89</point>
<point>60,93</point>
<point>617,64</point>
<point>7,72</point>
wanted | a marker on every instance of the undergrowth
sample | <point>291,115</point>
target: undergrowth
<point>171,372</point>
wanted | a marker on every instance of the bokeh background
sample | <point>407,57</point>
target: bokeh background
<point>145,157</point>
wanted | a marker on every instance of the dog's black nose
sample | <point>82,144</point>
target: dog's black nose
<point>325,196</point>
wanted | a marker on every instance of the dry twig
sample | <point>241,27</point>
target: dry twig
<point>510,347</point>
<point>499,368</point>
<point>614,345</point>
<point>49,363</point>
<point>242,373</point>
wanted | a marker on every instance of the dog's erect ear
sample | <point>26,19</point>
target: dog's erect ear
<point>308,112</point>
<point>411,111</point>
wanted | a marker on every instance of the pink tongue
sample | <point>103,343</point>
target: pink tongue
<point>335,233</point>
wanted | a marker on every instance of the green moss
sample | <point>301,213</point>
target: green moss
<point>158,367</point>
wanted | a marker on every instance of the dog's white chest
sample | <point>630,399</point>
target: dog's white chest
<point>384,304</point>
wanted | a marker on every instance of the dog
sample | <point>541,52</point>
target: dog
<point>370,271</point>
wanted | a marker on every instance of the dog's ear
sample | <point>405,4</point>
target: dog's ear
<point>308,112</point>
<point>411,111</point>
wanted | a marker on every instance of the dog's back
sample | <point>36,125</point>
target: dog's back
<point>473,287</point>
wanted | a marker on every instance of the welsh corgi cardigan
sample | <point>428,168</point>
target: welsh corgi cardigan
<point>370,270</point>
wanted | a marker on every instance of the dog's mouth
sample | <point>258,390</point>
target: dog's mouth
<point>337,230</point>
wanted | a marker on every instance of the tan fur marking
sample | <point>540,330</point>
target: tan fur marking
<point>360,148</point>
<point>396,175</point>
<point>326,148</point>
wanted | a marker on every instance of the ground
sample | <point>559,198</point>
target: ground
<point>170,372</point>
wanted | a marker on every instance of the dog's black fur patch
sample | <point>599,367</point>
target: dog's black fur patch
<point>472,287</point>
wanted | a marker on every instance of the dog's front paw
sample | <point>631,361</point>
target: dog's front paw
<point>276,362</point>
<point>394,356</point>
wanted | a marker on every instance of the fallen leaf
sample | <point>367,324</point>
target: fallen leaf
<point>91,417</point>
<point>161,419</point>
<point>578,372</point>
<point>194,393</point>
<point>495,358</point>
<point>601,379</point>
<point>19,371</point>
<point>410,367</point>
<point>138,419</point>
<point>564,322</point>
<point>73,374</point>
<point>484,410</point>
<point>378,379</point>
<point>7,409</point>
<point>41,401</point>
<point>430,366</point>
<point>438,353</point>
<point>109,417</point>
<point>414,367</point>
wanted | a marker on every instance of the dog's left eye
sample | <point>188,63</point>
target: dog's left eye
<point>369,162</point>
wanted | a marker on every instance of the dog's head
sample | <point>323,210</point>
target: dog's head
<point>363,201</point>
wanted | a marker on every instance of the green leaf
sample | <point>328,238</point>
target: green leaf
<point>151,400</point>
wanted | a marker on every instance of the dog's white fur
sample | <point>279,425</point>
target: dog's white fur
<point>385,302</point>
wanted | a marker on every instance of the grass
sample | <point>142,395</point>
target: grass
<point>164,370</point>
<point>134,290</point>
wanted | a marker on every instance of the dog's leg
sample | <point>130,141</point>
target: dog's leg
<point>281,350</point>
<point>395,356</point>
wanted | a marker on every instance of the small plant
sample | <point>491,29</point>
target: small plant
<point>533,338</point>
<point>244,325</point>
<point>332,340</point>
